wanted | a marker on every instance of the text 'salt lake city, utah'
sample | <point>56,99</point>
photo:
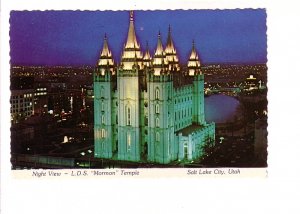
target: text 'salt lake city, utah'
<point>127,90</point>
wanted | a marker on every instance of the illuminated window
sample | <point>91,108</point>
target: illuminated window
<point>128,141</point>
<point>157,109</point>
<point>97,134</point>
<point>103,133</point>
<point>157,94</point>
<point>128,116</point>
<point>157,122</point>
<point>102,106</point>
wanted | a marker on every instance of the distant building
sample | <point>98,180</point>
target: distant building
<point>21,104</point>
<point>40,98</point>
<point>22,98</point>
<point>148,109</point>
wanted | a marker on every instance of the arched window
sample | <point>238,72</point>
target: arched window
<point>102,92</point>
<point>157,94</point>
<point>128,141</point>
<point>103,119</point>
<point>157,109</point>
<point>98,134</point>
<point>157,122</point>
<point>103,133</point>
<point>102,106</point>
<point>128,116</point>
<point>157,136</point>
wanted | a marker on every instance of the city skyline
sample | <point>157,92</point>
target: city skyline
<point>74,38</point>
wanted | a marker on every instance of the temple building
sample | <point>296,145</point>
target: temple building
<point>149,108</point>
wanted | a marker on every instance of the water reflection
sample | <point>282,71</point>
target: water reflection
<point>220,108</point>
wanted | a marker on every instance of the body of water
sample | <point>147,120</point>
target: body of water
<point>220,108</point>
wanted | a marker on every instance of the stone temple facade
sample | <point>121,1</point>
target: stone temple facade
<point>148,108</point>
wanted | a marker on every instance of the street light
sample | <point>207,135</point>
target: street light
<point>221,139</point>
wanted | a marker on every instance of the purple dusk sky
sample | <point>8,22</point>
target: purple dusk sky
<point>76,37</point>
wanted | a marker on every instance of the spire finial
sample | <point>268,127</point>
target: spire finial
<point>131,15</point>
<point>105,37</point>
<point>169,28</point>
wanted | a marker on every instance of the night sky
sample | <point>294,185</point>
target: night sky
<point>76,37</point>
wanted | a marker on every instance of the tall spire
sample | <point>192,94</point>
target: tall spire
<point>131,54</point>
<point>194,54</point>
<point>105,50</point>
<point>147,57</point>
<point>159,58</point>
<point>131,37</point>
<point>170,51</point>
<point>105,56</point>
<point>159,48</point>
<point>194,63</point>
<point>170,46</point>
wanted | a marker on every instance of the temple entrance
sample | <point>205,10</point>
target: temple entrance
<point>185,150</point>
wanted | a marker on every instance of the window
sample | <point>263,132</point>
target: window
<point>157,122</point>
<point>157,136</point>
<point>103,119</point>
<point>102,92</point>
<point>128,141</point>
<point>103,133</point>
<point>128,116</point>
<point>102,106</point>
<point>157,94</point>
<point>157,109</point>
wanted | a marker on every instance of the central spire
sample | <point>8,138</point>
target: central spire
<point>131,37</point>
<point>132,53</point>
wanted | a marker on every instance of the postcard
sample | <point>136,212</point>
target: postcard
<point>138,92</point>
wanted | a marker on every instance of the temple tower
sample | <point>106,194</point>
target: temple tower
<point>161,148</point>
<point>104,145</point>
<point>198,87</point>
<point>128,86</point>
